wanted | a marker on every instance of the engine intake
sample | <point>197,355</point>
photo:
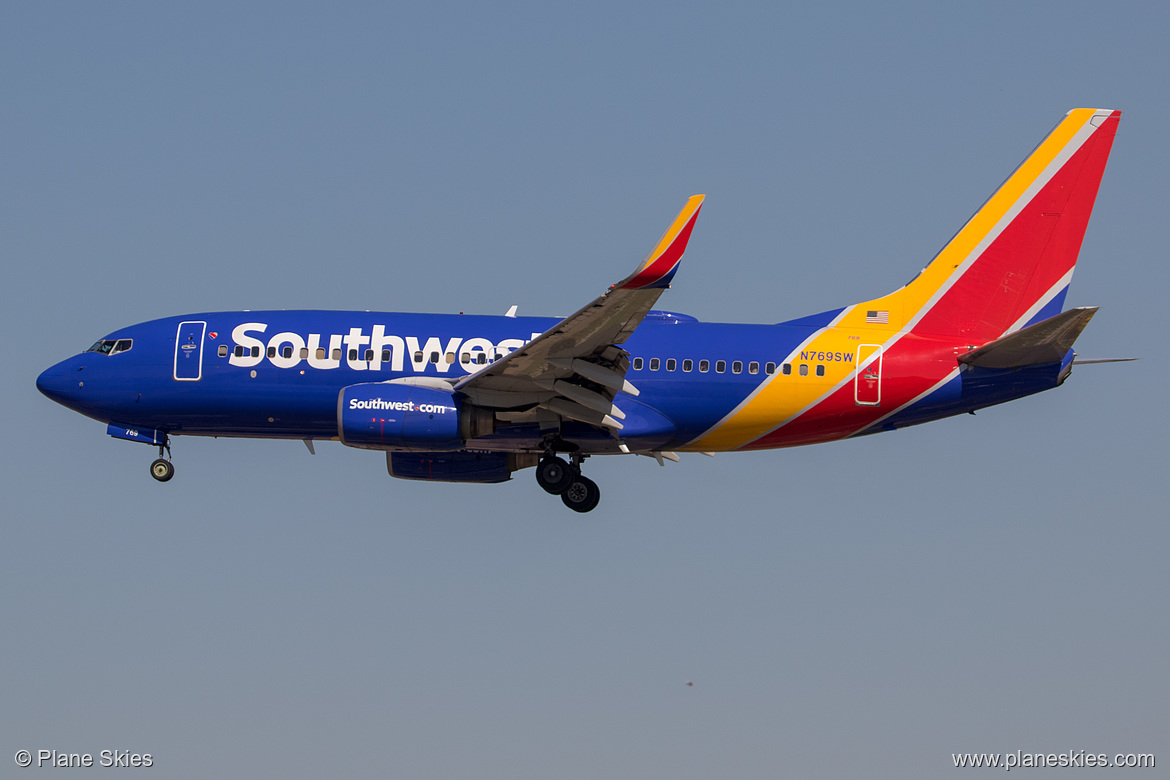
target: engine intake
<point>386,416</point>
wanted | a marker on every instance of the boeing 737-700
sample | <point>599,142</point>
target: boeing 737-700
<point>461,398</point>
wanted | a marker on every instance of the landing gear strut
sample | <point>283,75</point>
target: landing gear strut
<point>564,479</point>
<point>162,469</point>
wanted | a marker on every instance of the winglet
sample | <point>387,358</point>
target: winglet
<point>659,266</point>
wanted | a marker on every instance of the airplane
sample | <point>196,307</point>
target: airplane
<point>468,398</point>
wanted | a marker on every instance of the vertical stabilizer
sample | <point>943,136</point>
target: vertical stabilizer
<point>1006,269</point>
<point>1012,262</point>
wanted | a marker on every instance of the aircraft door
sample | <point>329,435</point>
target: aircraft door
<point>867,385</point>
<point>189,351</point>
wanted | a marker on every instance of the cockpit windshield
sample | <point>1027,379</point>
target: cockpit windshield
<point>111,346</point>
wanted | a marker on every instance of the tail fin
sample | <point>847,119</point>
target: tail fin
<point>1011,264</point>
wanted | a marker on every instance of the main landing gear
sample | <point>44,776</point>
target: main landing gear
<point>162,469</point>
<point>563,478</point>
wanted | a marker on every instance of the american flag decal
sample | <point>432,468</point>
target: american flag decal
<point>878,317</point>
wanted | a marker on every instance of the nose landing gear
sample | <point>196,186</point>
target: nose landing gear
<point>162,469</point>
<point>558,477</point>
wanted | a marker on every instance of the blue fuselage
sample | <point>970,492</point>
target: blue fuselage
<point>277,374</point>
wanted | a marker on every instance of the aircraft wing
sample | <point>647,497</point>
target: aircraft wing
<point>575,368</point>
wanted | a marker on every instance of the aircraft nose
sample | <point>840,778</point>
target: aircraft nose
<point>61,382</point>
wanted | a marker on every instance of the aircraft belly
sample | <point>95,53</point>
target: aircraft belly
<point>237,408</point>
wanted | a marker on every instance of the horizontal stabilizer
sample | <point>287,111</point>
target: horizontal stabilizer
<point>1045,342</point>
<point>1092,361</point>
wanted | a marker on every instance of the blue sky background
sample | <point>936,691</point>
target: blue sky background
<point>864,608</point>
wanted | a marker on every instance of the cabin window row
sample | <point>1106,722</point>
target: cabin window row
<point>753,367</point>
<point>481,358</point>
<point>466,358</point>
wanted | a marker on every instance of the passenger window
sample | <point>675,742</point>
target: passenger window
<point>385,356</point>
<point>482,358</point>
<point>304,353</point>
<point>786,369</point>
<point>804,369</point>
<point>320,353</point>
<point>239,351</point>
<point>769,368</point>
<point>671,364</point>
<point>704,366</point>
<point>418,357</point>
<point>688,364</point>
<point>753,367</point>
<point>434,357</point>
<point>337,354</point>
<point>255,351</point>
<point>286,351</point>
<point>737,367</point>
<point>820,370</point>
<point>353,354</point>
<point>223,350</point>
<point>465,358</point>
<point>637,364</point>
<point>720,366</point>
<point>654,363</point>
<point>272,352</point>
<point>369,354</point>
<point>450,358</point>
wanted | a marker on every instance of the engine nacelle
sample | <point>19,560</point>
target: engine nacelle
<point>480,467</point>
<point>387,416</point>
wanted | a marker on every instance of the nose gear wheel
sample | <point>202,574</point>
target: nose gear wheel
<point>162,470</point>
